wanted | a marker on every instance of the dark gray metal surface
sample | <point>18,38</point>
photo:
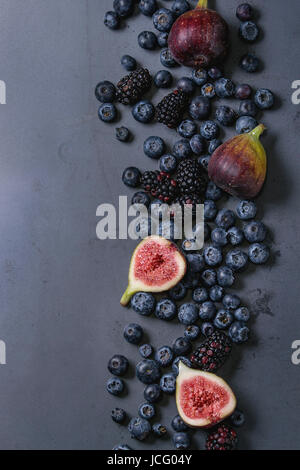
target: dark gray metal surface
<point>60,286</point>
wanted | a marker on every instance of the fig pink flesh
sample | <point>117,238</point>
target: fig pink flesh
<point>201,398</point>
<point>155,263</point>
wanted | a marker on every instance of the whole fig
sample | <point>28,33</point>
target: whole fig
<point>239,166</point>
<point>199,37</point>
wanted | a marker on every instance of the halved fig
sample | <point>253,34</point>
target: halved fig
<point>156,266</point>
<point>203,399</point>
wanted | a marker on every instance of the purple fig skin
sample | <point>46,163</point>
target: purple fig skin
<point>239,166</point>
<point>199,38</point>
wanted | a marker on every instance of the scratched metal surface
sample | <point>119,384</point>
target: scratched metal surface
<point>60,286</point>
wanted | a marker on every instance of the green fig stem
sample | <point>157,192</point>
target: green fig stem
<point>258,131</point>
<point>202,4</point>
<point>126,296</point>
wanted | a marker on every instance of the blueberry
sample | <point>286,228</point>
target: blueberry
<point>122,134</point>
<point>178,424</point>
<point>199,76</point>
<point>200,108</point>
<point>225,276</point>
<point>118,365</point>
<point>168,163</point>
<point>179,7</point>
<point>248,31</point>
<point>159,430</point>
<point>258,253</point>
<point>143,111</point>
<point>244,12</point>
<point>164,356</point>
<point>231,301</point>
<point>165,310</point>
<point>249,63</point>
<point>146,351</point>
<point>188,314</point>
<point>191,280</point>
<point>163,79</point>
<point>118,415</point>
<point>162,39</point>
<point>123,8</point>
<point>208,90</point>
<point>147,40</point>
<point>146,411</point>
<point>178,292</point>
<point>216,293</point>
<point>223,319</point>
<point>131,177</point>
<point>166,58</point>
<point>237,418</point>
<point>181,441</point>
<point>243,92</point>
<point>159,209</point>
<point>245,124</point>
<point>115,386</point>
<point>141,197</point>
<point>225,218</point>
<point>215,73</point>
<point>213,255</point>
<point>154,147</point>
<point>105,92</point>
<point>112,20</point>
<point>200,295</point>
<point>242,314</point>
<point>181,346</point>
<point>148,7</point>
<point>122,447</point>
<point>235,236</point>
<point>264,99</point>
<point>197,144</point>
<point>225,88</point>
<point>239,332</point>
<point>207,311</point>
<point>163,19</point>
<point>207,329</point>
<point>255,231</point>
<point>152,393</point>
<point>195,262</point>
<point>133,333</point>
<point>219,237</point>
<point>246,210</point>
<point>213,145</point>
<point>128,62</point>
<point>168,383</point>
<point>182,149</point>
<point>225,115</point>
<point>210,210</point>
<point>186,85</point>
<point>187,128</point>
<point>236,260</point>
<point>139,428</point>
<point>107,112</point>
<point>147,371</point>
<point>192,332</point>
<point>213,193</point>
<point>167,229</point>
<point>145,227</point>
<point>184,360</point>
<point>248,108</point>
<point>209,277</point>
<point>204,161</point>
<point>209,130</point>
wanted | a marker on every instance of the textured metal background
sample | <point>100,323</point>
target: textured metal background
<point>60,287</point>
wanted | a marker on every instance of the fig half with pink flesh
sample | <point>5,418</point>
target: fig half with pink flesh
<point>156,266</point>
<point>203,399</point>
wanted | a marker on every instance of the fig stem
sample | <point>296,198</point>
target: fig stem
<point>258,131</point>
<point>202,4</point>
<point>126,296</point>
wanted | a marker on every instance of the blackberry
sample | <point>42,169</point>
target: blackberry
<point>170,110</point>
<point>191,177</point>
<point>160,185</point>
<point>222,438</point>
<point>190,200</point>
<point>132,87</point>
<point>212,354</point>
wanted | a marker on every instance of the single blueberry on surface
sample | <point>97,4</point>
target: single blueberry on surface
<point>164,356</point>
<point>210,210</point>
<point>147,40</point>
<point>131,177</point>
<point>209,277</point>
<point>166,58</point>
<point>181,346</point>
<point>168,163</point>
<point>105,92</point>
<point>163,79</point>
<point>118,365</point>
<point>192,332</point>
<point>200,108</point>
<point>147,371</point>
<point>122,134</point>
<point>239,332</point>
<point>249,31</point>
<point>207,311</point>
<point>204,161</point>
<point>148,7</point>
<point>152,393</point>
<point>244,12</point>
<point>143,111</point>
<point>165,310</point>
<point>225,218</point>
<point>133,333</point>
<point>213,255</point>
<point>197,144</point>
<point>181,441</point>
<point>235,236</point>
<point>115,386</point>
<point>179,7</point>
<point>123,8</point>
<point>128,62</point>
<point>207,329</point>
<point>178,292</point>
<point>118,415</point>
<point>162,39</point>
<point>209,130</point>
<point>107,112</point>
<point>182,148</point>
<point>259,253</point>
<point>195,262</point>
<point>187,128</point>
<point>237,418</point>
<point>215,73</point>
<point>139,428</point>
<point>159,430</point>
<point>248,108</point>
<point>168,383</point>
<point>163,19</point>
<point>191,280</point>
<point>225,276</point>
<point>246,210</point>
<point>213,192</point>
<point>255,231</point>
<point>213,145</point>
<point>178,424</point>
<point>231,301</point>
<point>225,88</point>
<point>200,295</point>
<point>208,90</point>
<point>225,115</point>
<point>219,237</point>
<point>146,350</point>
<point>141,197</point>
<point>216,293</point>
<point>243,91</point>
<point>264,99</point>
<point>250,63</point>
<point>112,20</point>
<point>154,147</point>
<point>186,85</point>
<point>242,314</point>
<point>146,411</point>
<point>236,260</point>
<point>199,76</point>
<point>223,319</point>
<point>245,124</point>
<point>188,314</point>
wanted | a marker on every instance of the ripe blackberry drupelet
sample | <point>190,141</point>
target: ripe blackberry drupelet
<point>132,87</point>
<point>191,178</point>
<point>160,185</point>
<point>223,438</point>
<point>213,353</point>
<point>170,110</point>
